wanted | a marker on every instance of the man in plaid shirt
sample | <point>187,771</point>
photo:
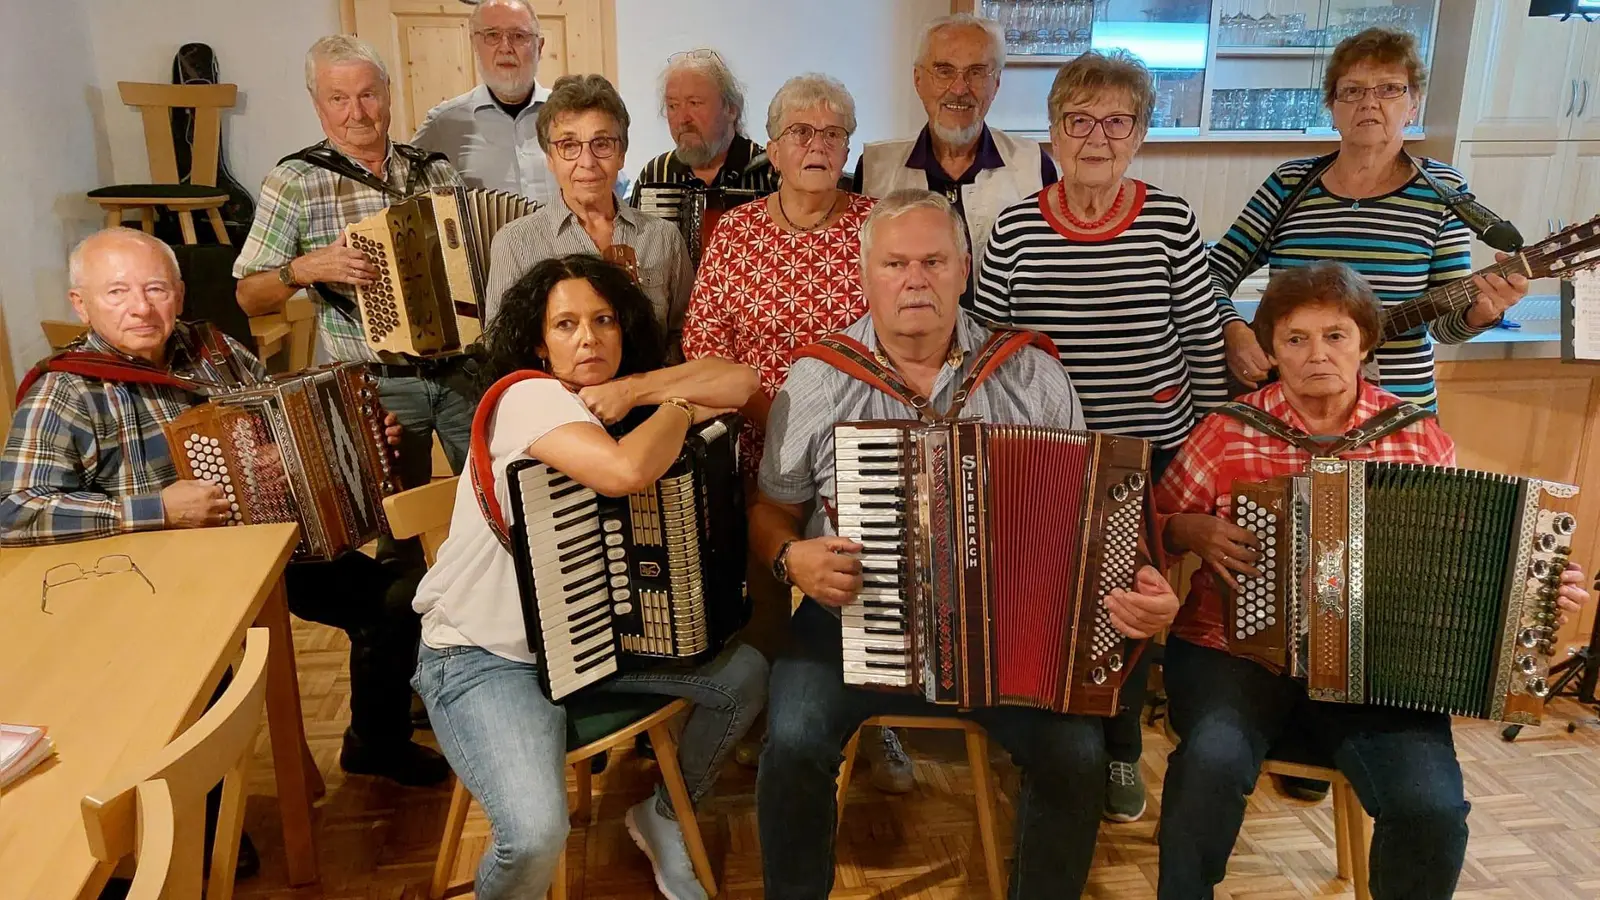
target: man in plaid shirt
<point>1319,322</point>
<point>87,458</point>
<point>297,242</point>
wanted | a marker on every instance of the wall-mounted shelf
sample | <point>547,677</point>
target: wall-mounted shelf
<point>1271,52</point>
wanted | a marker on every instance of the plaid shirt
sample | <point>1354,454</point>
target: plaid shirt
<point>87,458</point>
<point>304,208</point>
<point>1222,450</point>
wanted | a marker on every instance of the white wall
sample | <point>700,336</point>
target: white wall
<point>867,44</point>
<point>48,153</point>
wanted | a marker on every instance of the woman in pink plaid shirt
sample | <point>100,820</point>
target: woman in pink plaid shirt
<point>1319,323</point>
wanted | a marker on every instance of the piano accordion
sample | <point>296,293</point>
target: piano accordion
<point>987,551</point>
<point>613,584</point>
<point>306,448</point>
<point>1405,585</point>
<point>695,209</point>
<point>432,255</point>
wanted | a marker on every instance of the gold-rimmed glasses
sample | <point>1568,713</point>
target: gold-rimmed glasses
<point>67,573</point>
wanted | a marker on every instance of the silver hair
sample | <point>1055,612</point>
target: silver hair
<point>341,48</point>
<point>810,91</point>
<point>75,262</point>
<point>476,17</point>
<point>991,28</point>
<point>708,63</point>
<point>903,201</point>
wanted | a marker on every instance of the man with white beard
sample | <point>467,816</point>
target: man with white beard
<point>704,107</point>
<point>490,132</point>
<point>980,170</point>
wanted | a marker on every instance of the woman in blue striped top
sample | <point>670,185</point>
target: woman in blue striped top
<point>1371,209</point>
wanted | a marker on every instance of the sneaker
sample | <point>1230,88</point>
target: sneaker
<point>1309,789</point>
<point>1125,799</point>
<point>407,763</point>
<point>891,768</point>
<point>662,842</point>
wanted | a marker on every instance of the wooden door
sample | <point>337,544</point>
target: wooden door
<point>1581,180</point>
<point>1522,82</point>
<point>1522,181</point>
<point>429,50</point>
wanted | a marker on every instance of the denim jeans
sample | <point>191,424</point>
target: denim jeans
<point>507,743</point>
<point>813,714</point>
<point>1228,711</point>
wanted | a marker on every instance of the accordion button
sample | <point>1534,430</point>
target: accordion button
<point>621,595</point>
<point>1547,543</point>
<point>1098,675</point>
<point>613,540</point>
<point>1564,524</point>
<point>619,581</point>
<point>1136,481</point>
<point>1119,492</point>
<point>622,609</point>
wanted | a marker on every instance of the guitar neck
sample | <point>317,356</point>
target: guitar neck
<point>1445,299</point>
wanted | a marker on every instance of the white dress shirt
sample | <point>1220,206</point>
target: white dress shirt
<point>489,148</point>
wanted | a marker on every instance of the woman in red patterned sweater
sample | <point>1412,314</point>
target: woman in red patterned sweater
<point>1319,322</point>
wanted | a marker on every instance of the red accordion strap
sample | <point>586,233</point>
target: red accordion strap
<point>200,339</point>
<point>852,357</point>
<point>1003,344</point>
<point>480,465</point>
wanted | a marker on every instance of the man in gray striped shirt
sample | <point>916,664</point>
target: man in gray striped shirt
<point>914,268</point>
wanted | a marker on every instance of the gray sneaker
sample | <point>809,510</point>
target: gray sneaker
<point>1125,800</point>
<point>891,767</point>
<point>661,841</point>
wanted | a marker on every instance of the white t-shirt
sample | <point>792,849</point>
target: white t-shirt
<point>469,597</point>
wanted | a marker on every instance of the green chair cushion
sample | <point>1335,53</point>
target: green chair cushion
<point>593,717</point>
<point>161,192</point>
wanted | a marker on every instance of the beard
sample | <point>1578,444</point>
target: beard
<point>695,150</point>
<point>956,137</point>
<point>509,88</point>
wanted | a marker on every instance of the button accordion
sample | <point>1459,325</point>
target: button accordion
<point>987,552</point>
<point>695,209</point>
<point>306,448</point>
<point>432,256</point>
<point>1405,585</point>
<point>612,584</point>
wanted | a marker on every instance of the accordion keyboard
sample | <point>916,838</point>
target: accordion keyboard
<point>1257,606</point>
<point>209,463</point>
<point>870,499</point>
<point>567,546</point>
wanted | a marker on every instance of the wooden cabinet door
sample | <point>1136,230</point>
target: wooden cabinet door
<point>1581,180</point>
<point>428,49</point>
<point>1523,79</point>
<point>1522,181</point>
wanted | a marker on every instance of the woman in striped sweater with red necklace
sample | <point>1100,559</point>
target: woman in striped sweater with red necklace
<point>1113,270</point>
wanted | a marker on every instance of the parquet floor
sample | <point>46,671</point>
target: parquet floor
<point>1535,823</point>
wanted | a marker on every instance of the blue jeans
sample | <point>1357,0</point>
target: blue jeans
<point>1228,711</point>
<point>813,714</point>
<point>442,400</point>
<point>508,745</point>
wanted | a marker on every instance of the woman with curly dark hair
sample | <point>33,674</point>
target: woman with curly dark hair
<point>584,321</point>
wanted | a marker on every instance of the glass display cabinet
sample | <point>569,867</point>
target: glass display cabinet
<point>1225,70</point>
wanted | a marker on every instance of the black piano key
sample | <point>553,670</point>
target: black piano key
<point>895,667</point>
<point>575,521</point>
<point>592,657</point>
<point>585,619</point>
<point>571,587</point>
<point>573,541</point>
<point>583,549</point>
<point>567,491</point>
<point>878,459</point>
<point>592,629</point>
<point>878,445</point>
<point>575,565</point>
<point>599,588</point>
<point>878,473</point>
<point>878,504</point>
<point>574,508</point>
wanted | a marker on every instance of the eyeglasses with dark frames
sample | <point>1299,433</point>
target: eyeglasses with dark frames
<point>603,147</point>
<point>1081,125</point>
<point>1355,93</point>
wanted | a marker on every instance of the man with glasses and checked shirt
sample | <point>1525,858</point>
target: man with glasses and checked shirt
<point>980,170</point>
<point>490,132</point>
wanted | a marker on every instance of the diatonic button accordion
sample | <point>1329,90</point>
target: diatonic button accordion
<point>306,448</point>
<point>987,553</point>
<point>695,209</point>
<point>432,255</point>
<point>1404,585</point>
<point>613,584</point>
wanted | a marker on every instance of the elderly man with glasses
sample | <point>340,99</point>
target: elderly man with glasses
<point>980,170</point>
<point>490,131</point>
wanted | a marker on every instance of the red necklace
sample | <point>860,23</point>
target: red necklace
<point>1097,224</point>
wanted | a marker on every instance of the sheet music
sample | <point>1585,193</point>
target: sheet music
<point>1585,315</point>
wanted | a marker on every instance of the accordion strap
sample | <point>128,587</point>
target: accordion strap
<point>480,465</point>
<point>853,358</point>
<point>1382,424</point>
<point>200,340</point>
<point>323,156</point>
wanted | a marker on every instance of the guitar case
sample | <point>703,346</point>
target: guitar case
<point>197,64</point>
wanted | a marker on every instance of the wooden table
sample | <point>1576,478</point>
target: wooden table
<point>116,671</point>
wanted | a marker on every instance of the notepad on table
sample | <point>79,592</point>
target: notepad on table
<point>21,748</point>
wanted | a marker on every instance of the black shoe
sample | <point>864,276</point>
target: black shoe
<point>249,861</point>
<point>408,763</point>
<point>1308,789</point>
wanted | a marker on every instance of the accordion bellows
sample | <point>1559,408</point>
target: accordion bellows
<point>612,584</point>
<point>1405,585</point>
<point>307,448</point>
<point>432,255</point>
<point>694,209</point>
<point>987,553</point>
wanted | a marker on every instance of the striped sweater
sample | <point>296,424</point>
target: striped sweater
<point>1132,311</point>
<point>1403,243</point>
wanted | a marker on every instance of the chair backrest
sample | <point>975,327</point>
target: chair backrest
<point>152,878</point>
<point>156,101</point>
<point>423,512</point>
<point>58,332</point>
<point>191,765</point>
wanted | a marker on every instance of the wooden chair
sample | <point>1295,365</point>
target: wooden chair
<point>156,102</point>
<point>216,748</point>
<point>982,783</point>
<point>58,333</point>
<point>1352,827</point>
<point>594,725</point>
<point>155,843</point>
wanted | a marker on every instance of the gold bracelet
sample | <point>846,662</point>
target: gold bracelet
<point>684,405</point>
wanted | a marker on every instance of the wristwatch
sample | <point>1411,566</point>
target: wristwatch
<point>780,564</point>
<point>287,277</point>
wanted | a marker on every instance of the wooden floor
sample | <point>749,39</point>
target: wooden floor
<point>1535,822</point>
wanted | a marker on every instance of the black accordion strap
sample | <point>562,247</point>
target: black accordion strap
<point>1381,425</point>
<point>1302,188</point>
<point>323,156</point>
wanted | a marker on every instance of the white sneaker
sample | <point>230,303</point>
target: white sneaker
<point>891,768</point>
<point>662,842</point>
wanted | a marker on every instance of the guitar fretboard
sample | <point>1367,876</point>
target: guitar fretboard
<point>1459,294</point>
